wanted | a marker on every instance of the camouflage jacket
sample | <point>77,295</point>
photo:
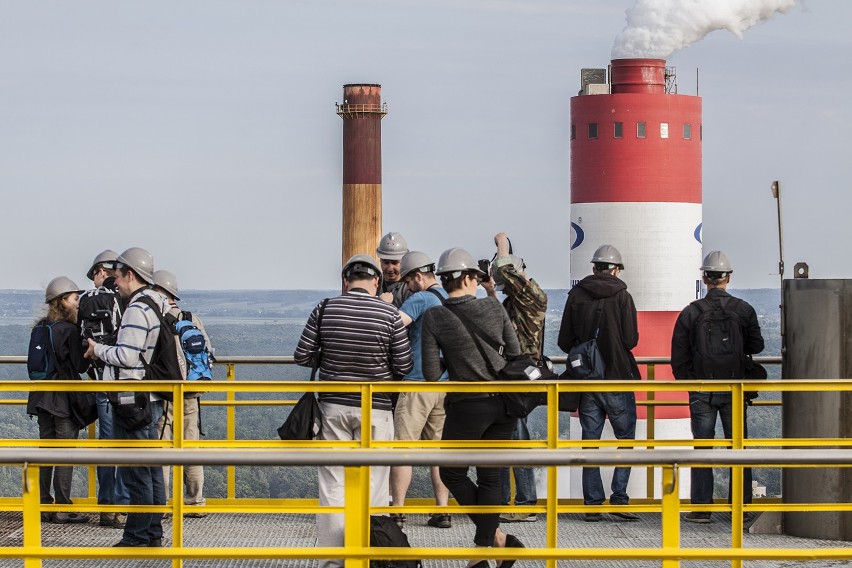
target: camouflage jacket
<point>526,304</point>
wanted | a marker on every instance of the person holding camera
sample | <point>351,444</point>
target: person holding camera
<point>526,304</point>
<point>458,329</point>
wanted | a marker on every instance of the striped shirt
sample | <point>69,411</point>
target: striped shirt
<point>136,339</point>
<point>362,338</point>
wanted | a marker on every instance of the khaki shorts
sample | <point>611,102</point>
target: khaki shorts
<point>419,416</point>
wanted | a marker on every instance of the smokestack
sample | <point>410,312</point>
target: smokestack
<point>362,111</point>
<point>636,184</point>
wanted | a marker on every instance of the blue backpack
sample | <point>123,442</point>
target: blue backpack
<point>41,360</point>
<point>198,364</point>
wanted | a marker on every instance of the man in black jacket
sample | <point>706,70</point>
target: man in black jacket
<point>601,301</point>
<point>691,363</point>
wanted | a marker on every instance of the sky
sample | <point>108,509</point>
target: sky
<point>205,132</point>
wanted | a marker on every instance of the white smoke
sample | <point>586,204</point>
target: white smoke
<point>658,28</point>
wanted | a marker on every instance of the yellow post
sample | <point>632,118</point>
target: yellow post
<point>177,476</point>
<point>738,426</point>
<point>550,537</point>
<point>650,433</point>
<point>91,434</point>
<point>231,420</point>
<point>32,513</point>
<point>671,513</point>
<point>357,518</point>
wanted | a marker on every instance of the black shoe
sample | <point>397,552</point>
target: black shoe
<point>65,518</point>
<point>136,543</point>
<point>399,518</point>
<point>626,515</point>
<point>155,543</point>
<point>481,564</point>
<point>695,517</point>
<point>511,542</point>
<point>440,521</point>
<point>592,517</point>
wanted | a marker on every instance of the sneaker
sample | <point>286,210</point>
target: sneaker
<point>592,517</point>
<point>695,517</point>
<point>195,515</point>
<point>65,518</point>
<point>518,518</point>
<point>440,521</point>
<point>155,543</point>
<point>120,520</point>
<point>134,543</point>
<point>399,518</point>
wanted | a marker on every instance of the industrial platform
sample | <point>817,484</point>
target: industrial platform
<point>271,530</point>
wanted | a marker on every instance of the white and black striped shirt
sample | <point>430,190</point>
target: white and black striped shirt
<point>362,338</point>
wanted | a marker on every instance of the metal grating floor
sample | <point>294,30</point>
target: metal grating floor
<point>271,530</point>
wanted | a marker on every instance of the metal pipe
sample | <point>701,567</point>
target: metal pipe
<point>462,457</point>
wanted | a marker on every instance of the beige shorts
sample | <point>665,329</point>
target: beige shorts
<point>419,416</point>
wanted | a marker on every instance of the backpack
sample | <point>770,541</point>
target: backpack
<point>717,347</point>
<point>385,532</point>
<point>41,359</point>
<point>194,347</point>
<point>99,315</point>
<point>164,364</point>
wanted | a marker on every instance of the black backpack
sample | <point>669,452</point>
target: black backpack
<point>717,346</point>
<point>385,532</point>
<point>99,315</point>
<point>164,364</point>
<point>41,359</point>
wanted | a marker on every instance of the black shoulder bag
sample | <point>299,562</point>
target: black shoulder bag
<point>305,419</point>
<point>519,367</point>
<point>584,362</point>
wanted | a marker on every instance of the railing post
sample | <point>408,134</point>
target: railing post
<point>550,538</point>
<point>231,419</point>
<point>650,429</point>
<point>671,513</point>
<point>32,512</point>
<point>357,505</point>
<point>177,473</point>
<point>736,491</point>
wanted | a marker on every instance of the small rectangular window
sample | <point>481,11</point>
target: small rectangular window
<point>687,131</point>
<point>617,133</point>
<point>640,130</point>
<point>664,130</point>
<point>593,130</point>
<point>701,132</point>
<point>573,131</point>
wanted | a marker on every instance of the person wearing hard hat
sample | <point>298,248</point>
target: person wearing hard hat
<point>136,417</point>
<point>464,330</point>
<point>714,338</point>
<point>165,282</point>
<point>390,251</point>
<point>418,415</point>
<point>99,316</point>
<point>601,302</point>
<point>526,304</point>
<point>53,408</point>
<point>355,337</point>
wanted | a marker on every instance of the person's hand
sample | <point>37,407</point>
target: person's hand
<point>387,297</point>
<point>489,287</point>
<point>90,350</point>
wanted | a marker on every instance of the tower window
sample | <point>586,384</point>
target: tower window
<point>687,131</point>
<point>664,130</point>
<point>617,132</point>
<point>640,130</point>
<point>593,130</point>
<point>573,131</point>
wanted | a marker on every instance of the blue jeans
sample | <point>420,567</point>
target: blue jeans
<point>111,489</point>
<point>703,408</point>
<point>524,476</point>
<point>477,419</point>
<point>595,408</point>
<point>145,484</point>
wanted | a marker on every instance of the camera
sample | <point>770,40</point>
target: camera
<point>485,266</point>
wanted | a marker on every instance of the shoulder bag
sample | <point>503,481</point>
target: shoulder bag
<point>305,419</point>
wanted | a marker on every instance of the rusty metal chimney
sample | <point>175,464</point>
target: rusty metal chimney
<point>362,111</point>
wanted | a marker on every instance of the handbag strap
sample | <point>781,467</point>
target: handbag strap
<point>598,320</point>
<point>476,340</point>
<point>318,358</point>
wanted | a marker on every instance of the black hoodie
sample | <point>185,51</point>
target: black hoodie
<point>619,328</point>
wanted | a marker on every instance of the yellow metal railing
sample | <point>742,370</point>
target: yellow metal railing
<point>551,452</point>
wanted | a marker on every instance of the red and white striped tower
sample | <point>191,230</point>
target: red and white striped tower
<point>636,184</point>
